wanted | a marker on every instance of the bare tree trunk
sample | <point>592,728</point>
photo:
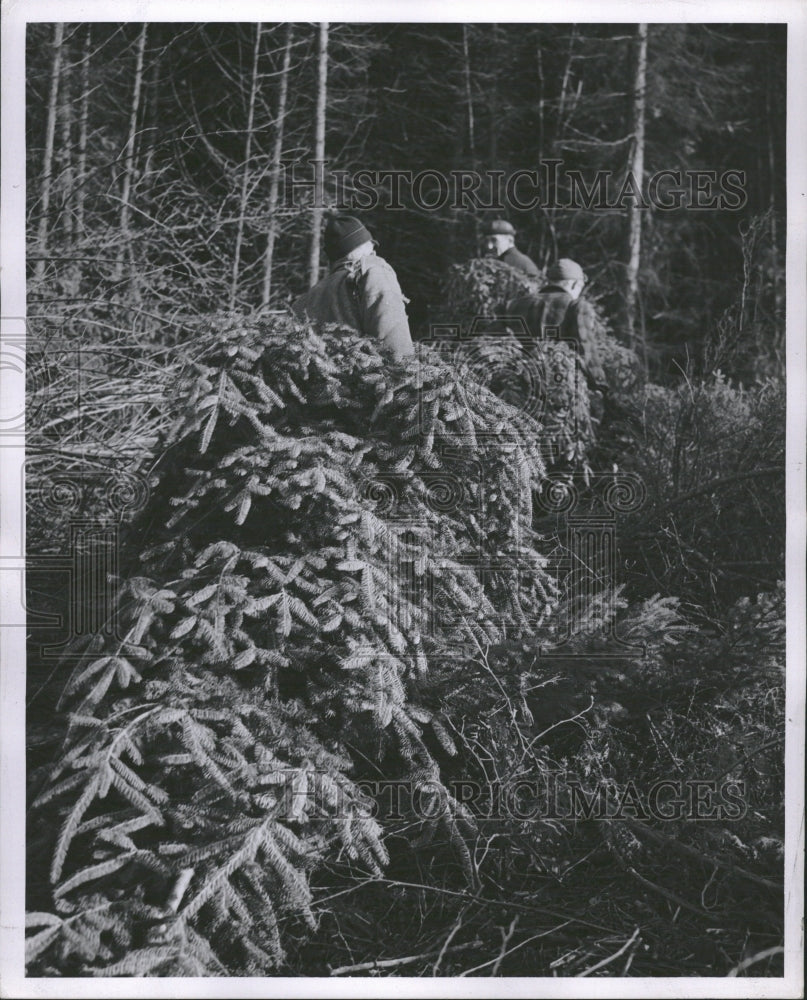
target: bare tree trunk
<point>47,164</point>
<point>469,100</point>
<point>242,203</point>
<point>636,166</point>
<point>151,119</point>
<point>564,86</point>
<point>65,154</point>
<point>319,153</point>
<point>277,154</point>
<point>494,97</point>
<point>128,172</point>
<point>83,116</point>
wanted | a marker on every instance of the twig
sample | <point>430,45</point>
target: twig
<point>389,963</point>
<point>753,959</point>
<point>610,958</point>
<point>451,935</point>
<point>560,722</point>
<point>629,962</point>
<point>506,936</point>
<point>667,894</point>
<point>521,944</point>
<point>747,755</point>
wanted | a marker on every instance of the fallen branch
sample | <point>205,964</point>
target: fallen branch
<point>506,937</point>
<point>451,935</point>
<point>678,900</point>
<point>521,944</point>
<point>753,959</point>
<point>389,963</point>
<point>707,859</point>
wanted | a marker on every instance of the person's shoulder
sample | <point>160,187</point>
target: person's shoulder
<point>554,291</point>
<point>379,277</point>
<point>515,257</point>
<point>372,263</point>
<point>523,302</point>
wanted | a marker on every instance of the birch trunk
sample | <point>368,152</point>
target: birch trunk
<point>65,155</point>
<point>128,172</point>
<point>242,202</point>
<point>319,153</point>
<point>636,167</point>
<point>47,163</point>
<point>277,154</point>
<point>83,116</point>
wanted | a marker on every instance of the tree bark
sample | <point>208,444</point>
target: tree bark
<point>636,167</point>
<point>277,154</point>
<point>128,172</point>
<point>65,152</point>
<point>319,153</point>
<point>47,163</point>
<point>242,203</point>
<point>83,116</point>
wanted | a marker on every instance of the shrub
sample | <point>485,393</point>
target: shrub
<point>712,458</point>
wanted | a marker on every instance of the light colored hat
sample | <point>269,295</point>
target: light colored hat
<point>499,227</point>
<point>565,270</point>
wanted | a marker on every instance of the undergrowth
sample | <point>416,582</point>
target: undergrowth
<point>337,585</point>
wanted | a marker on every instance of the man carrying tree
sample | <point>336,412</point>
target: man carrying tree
<point>558,311</point>
<point>361,291</point>
<point>500,242</point>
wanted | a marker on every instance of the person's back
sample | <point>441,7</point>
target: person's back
<point>361,291</point>
<point>520,261</point>
<point>557,312</point>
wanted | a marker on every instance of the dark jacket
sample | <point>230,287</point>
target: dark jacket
<point>364,295</point>
<point>554,314</point>
<point>520,261</point>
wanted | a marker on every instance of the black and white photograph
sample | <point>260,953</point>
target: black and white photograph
<point>403,515</point>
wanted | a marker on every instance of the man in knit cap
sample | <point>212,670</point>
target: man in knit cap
<point>361,291</point>
<point>558,311</point>
<point>500,242</point>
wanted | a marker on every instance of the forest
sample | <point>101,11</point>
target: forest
<point>340,665</point>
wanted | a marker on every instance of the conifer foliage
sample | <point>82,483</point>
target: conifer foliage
<point>327,532</point>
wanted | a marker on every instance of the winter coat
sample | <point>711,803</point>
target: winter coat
<point>520,261</point>
<point>553,313</point>
<point>364,295</point>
